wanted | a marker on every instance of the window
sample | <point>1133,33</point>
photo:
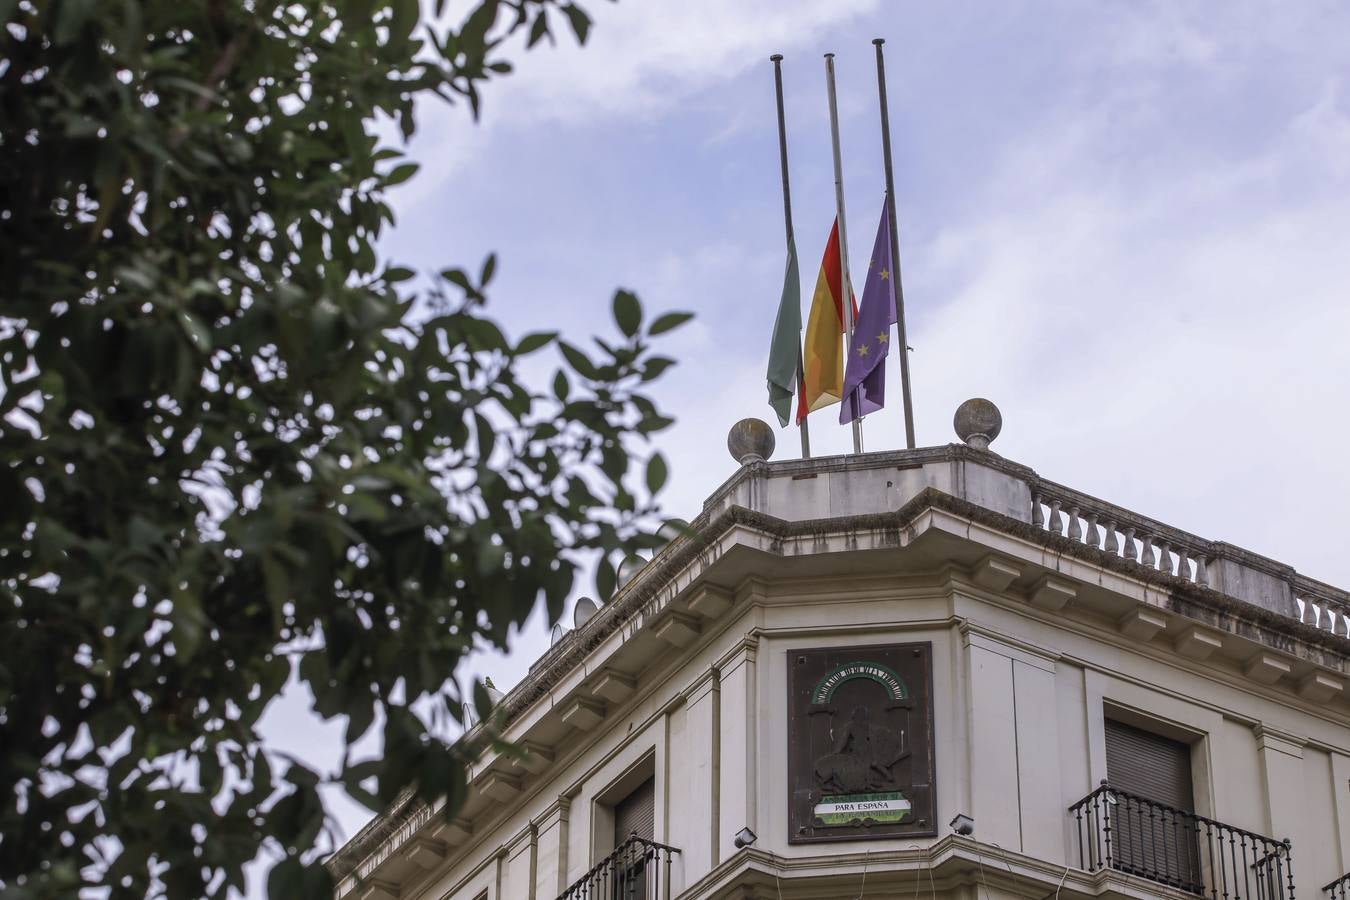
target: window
<point>1152,824</point>
<point>636,813</point>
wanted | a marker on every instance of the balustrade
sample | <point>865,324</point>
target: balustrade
<point>1322,606</point>
<point>638,869</point>
<point>1119,830</point>
<point>1121,533</point>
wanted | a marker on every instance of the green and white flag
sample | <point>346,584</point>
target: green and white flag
<point>785,346</point>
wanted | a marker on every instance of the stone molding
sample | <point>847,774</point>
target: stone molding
<point>676,569</point>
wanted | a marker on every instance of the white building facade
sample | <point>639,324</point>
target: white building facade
<point>916,673</point>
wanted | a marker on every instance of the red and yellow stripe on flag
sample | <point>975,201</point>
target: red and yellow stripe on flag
<point>822,352</point>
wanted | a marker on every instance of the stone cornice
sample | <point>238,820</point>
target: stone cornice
<point>667,576</point>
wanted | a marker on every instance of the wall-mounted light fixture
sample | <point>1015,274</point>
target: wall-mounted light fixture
<point>744,838</point>
<point>963,824</point>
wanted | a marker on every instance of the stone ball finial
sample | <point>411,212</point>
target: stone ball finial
<point>978,422</point>
<point>750,441</point>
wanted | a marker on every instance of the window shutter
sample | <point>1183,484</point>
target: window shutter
<point>1157,842</point>
<point>636,812</point>
<point>1149,765</point>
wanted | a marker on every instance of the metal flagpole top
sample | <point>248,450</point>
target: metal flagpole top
<point>845,283</point>
<point>902,344</point>
<point>777,60</point>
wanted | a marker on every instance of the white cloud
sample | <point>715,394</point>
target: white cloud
<point>641,59</point>
<point>1170,336</point>
<point>1162,34</point>
<point>645,56</point>
<point>1323,130</point>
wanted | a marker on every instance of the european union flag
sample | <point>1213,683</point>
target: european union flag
<point>865,376</point>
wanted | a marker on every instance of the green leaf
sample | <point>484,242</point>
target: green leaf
<point>286,879</point>
<point>71,18</point>
<point>360,716</point>
<point>197,332</point>
<point>650,424</point>
<point>487,437</point>
<point>53,386</point>
<point>669,322</point>
<point>483,334</point>
<point>560,386</point>
<point>480,21</point>
<point>579,361</point>
<point>657,472</point>
<point>489,267</point>
<point>536,341</point>
<point>627,312</point>
<point>459,279</point>
<point>581,23</point>
<point>405,18</point>
<point>400,174</point>
<point>654,366</point>
<point>189,622</point>
<point>605,580</point>
<point>539,29</point>
<point>276,581</point>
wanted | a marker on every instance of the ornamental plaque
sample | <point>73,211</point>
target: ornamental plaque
<point>860,743</point>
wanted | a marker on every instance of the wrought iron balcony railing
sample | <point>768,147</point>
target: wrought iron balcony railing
<point>638,869</point>
<point>1128,833</point>
<point>1339,889</point>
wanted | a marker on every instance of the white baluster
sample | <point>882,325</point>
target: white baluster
<point>1075,530</point>
<point>1164,557</point>
<point>1148,550</point>
<point>1129,543</point>
<point>1092,531</point>
<point>1114,542</point>
<point>1056,518</point>
<point>1037,515</point>
<point>1202,563</point>
<point>1184,563</point>
<point>1333,615</point>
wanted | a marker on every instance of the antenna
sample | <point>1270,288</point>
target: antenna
<point>582,612</point>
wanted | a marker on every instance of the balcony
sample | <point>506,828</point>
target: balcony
<point>1121,831</point>
<point>638,869</point>
<point>1338,889</point>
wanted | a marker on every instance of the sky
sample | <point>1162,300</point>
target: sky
<point>1126,223</point>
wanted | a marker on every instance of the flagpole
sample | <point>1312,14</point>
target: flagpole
<point>777,59</point>
<point>895,246</point>
<point>845,283</point>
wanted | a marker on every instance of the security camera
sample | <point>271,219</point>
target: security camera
<point>963,824</point>
<point>744,838</point>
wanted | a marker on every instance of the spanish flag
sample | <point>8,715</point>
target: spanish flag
<point>822,354</point>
